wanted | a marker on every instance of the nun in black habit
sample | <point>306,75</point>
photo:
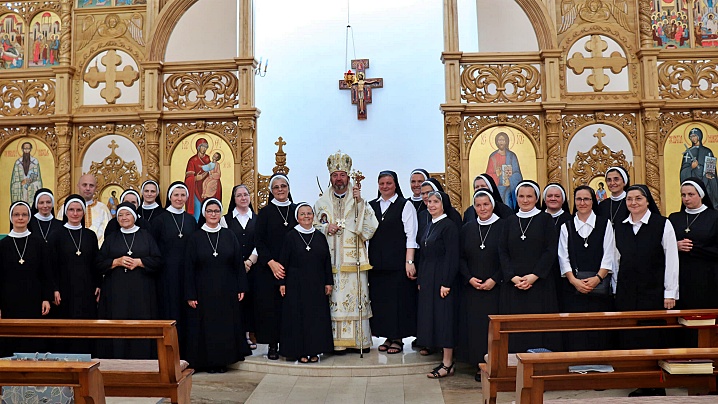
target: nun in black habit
<point>696,228</point>
<point>614,207</point>
<point>274,221</point>
<point>131,196</point>
<point>424,217</point>
<point>43,221</point>
<point>150,206</point>
<point>586,253</point>
<point>242,220</point>
<point>481,278</point>
<point>26,284</point>
<point>393,274</point>
<point>215,283</point>
<point>171,232</point>
<point>647,275</point>
<point>485,181</point>
<point>74,249</point>
<point>555,203</point>
<point>306,287</point>
<point>527,252</point>
<point>129,260</point>
<point>77,278</point>
<point>438,285</point>
<point>416,178</point>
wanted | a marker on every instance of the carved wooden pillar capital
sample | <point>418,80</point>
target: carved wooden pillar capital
<point>453,128</point>
<point>152,149</point>
<point>248,154</point>
<point>552,120</point>
<point>63,131</point>
<point>650,121</point>
<point>65,32</point>
<point>644,23</point>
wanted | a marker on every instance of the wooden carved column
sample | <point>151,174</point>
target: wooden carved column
<point>452,122</point>
<point>248,155</point>
<point>64,162</point>
<point>65,32</point>
<point>644,23</point>
<point>650,127</point>
<point>152,150</point>
<point>553,146</point>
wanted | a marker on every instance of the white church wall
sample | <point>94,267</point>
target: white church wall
<point>301,102</point>
<point>504,27</point>
<point>208,30</point>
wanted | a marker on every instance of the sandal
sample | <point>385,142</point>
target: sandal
<point>385,346</point>
<point>436,373</point>
<point>314,359</point>
<point>426,351</point>
<point>304,359</point>
<point>251,344</point>
<point>395,347</point>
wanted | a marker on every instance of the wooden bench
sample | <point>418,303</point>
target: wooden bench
<point>165,377</point>
<point>84,377</point>
<point>537,373</point>
<point>498,375</point>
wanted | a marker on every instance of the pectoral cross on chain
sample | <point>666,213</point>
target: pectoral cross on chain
<point>341,223</point>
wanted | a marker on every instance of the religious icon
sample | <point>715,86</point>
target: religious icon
<point>26,178</point>
<point>204,162</point>
<point>503,167</point>
<point>699,161</point>
<point>44,40</point>
<point>600,192</point>
<point>12,34</point>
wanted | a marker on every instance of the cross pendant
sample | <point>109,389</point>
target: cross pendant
<point>215,253</point>
<point>129,252</point>
<point>343,222</point>
<point>482,246</point>
<point>309,248</point>
<point>523,237</point>
<point>286,224</point>
<point>585,245</point>
<point>688,230</point>
<point>78,252</point>
<point>22,261</point>
<point>179,235</point>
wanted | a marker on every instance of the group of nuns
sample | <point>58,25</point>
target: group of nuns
<point>443,277</point>
<point>154,263</point>
<point>621,255</point>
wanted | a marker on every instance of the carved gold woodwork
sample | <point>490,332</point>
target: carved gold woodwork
<point>201,90</point>
<point>625,123</point>
<point>27,97</point>
<point>500,83</point>
<point>577,12</point>
<point>114,170</point>
<point>594,163</point>
<point>128,75</point>
<point>691,79</point>
<point>174,131</point>
<point>280,166</point>
<point>86,134</point>
<point>597,63</point>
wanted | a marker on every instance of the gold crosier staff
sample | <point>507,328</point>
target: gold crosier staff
<point>357,176</point>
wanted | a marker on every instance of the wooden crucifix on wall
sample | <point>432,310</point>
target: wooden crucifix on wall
<point>361,86</point>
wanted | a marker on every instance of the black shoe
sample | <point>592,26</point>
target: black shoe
<point>221,369</point>
<point>211,370</point>
<point>273,353</point>
<point>477,377</point>
<point>647,392</point>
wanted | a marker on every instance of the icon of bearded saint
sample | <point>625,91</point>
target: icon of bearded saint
<point>26,177</point>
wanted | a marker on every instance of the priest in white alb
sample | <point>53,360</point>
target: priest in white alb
<point>98,215</point>
<point>348,222</point>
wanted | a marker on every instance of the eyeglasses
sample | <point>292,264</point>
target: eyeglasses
<point>583,200</point>
<point>20,215</point>
<point>212,212</point>
<point>280,186</point>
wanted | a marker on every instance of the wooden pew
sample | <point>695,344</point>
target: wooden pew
<point>537,373</point>
<point>84,377</point>
<point>165,377</point>
<point>498,376</point>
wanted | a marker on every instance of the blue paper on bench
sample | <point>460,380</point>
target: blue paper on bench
<point>538,350</point>
<point>42,394</point>
<point>590,368</point>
